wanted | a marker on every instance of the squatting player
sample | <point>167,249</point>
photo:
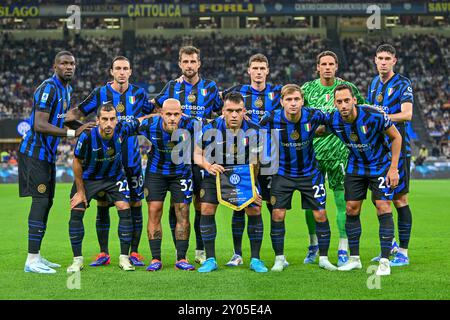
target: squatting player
<point>233,125</point>
<point>37,154</point>
<point>363,130</point>
<point>260,98</point>
<point>99,174</point>
<point>296,127</point>
<point>392,93</point>
<point>166,174</point>
<point>199,98</point>
<point>130,102</point>
<point>331,153</point>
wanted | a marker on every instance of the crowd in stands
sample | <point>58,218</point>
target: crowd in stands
<point>26,63</point>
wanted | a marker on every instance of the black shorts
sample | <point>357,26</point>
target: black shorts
<point>135,183</point>
<point>356,187</point>
<point>265,183</point>
<point>111,190</point>
<point>198,175</point>
<point>180,187</point>
<point>36,177</point>
<point>404,172</point>
<point>312,189</point>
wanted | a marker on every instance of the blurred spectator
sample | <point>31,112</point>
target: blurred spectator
<point>423,155</point>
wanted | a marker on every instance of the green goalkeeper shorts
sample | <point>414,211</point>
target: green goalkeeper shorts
<point>335,172</point>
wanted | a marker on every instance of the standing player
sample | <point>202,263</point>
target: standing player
<point>199,98</point>
<point>167,172</point>
<point>392,93</point>
<point>363,130</point>
<point>130,102</point>
<point>331,153</point>
<point>260,98</point>
<point>99,174</point>
<point>37,154</point>
<point>297,170</point>
<point>231,125</point>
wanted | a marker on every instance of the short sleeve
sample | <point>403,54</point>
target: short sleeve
<point>45,99</point>
<point>217,101</point>
<point>147,106</point>
<point>163,95</point>
<point>81,147</point>
<point>386,122</point>
<point>91,103</point>
<point>406,93</point>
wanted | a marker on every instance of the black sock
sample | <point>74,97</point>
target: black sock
<point>353,230</point>
<point>277,232</point>
<point>173,223</point>
<point>323,233</point>
<point>102,225</point>
<point>76,231</point>
<point>182,247</point>
<point>386,233</point>
<point>36,224</point>
<point>404,225</point>
<point>125,231</point>
<point>155,248</point>
<point>198,235</point>
<point>47,212</point>
<point>208,230</point>
<point>237,229</point>
<point>136,216</point>
<point>255,231</point>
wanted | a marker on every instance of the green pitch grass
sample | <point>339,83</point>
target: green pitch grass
<point>428,276</point>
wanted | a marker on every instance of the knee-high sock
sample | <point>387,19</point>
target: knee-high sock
<point>237,227</point>
<point>209,231</point>
<point>173,223</point>
<point>353,229</point>
<point>125,231</point>
<point>404,225</point>
<point>182,247</point>
<point>341,215</point>
<point>76,231</point>
<point>136,216</point>
<point>198,235</point>
<point>155,248</point>
<point>323,237</point>
<point>36,223</point>
<point>386,233</point>
<point>102,226</point>
<point>277,232</point>
<point>255,230</point>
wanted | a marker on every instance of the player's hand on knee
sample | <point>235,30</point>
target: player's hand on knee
<point>78,198</point>
<point>86,126</point>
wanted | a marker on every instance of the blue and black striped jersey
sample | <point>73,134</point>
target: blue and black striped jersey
<point>258,103</point>
<point>225,148</point>
<point>131,104</point>
<point>53,98</point>
<point>369,153</point>
<point>102,158</point>
<point>160,155</point>
<point>295,143</point>
<point>389,97</point>
<point>199,100</point>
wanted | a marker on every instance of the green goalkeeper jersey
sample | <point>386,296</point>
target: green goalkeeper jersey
<point>321,97</point>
